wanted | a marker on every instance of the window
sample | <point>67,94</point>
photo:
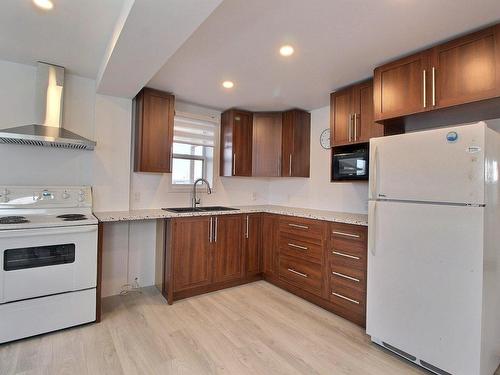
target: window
<point>193,149</point>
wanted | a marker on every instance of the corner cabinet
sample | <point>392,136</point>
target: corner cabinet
<point>462,71</point>
<point>154,129</point>
<point>236,143</point>
<point>351,115</point>
<point>273,144</point>
<point>296,143</point>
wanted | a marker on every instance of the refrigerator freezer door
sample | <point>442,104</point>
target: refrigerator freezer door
<point>424,282</point>
<point>441,165</point>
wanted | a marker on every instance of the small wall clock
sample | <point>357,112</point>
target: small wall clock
<point>324,139</point>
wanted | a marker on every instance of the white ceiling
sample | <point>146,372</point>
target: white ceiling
<point>74,34</point>
<point>336,41</point>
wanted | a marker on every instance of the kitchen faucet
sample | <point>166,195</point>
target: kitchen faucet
<point>195,200</point>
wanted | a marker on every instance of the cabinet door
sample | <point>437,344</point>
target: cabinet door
<point>154,124</point>
<point>242,143</point>
<point>228,258</point>
<point>192,259</point>
<point>270,227</point>
<point>252,244</point>
<point>296,143</point>
<point>266,150</point>
<point>466,69</point>
<point>364,127</point>
<point>402,87</point>
<point>341,110</point>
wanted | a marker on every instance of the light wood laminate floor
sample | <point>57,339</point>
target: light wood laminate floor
<point>252,329</point>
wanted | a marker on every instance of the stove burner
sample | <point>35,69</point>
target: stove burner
<point>72,217</point>
<point>13,220</point>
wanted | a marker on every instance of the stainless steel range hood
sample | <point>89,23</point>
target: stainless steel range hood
<point>48,130</point>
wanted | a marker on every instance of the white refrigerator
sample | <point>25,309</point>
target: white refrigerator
<point>433,292</point>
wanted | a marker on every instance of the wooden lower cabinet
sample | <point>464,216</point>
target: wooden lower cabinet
<point>252,241</point>
<point>320,261</point>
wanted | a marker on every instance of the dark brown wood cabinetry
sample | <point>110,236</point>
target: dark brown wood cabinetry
<point>351,115</point>
<point>236,143</point>
<point>322,262</point>
<point>275,144</point>
<point>228,254</point>
<point>154,125</point>
<point>266,157</point>
<point>296,143</point>
<point>461,71</point>
<point>252,244</point>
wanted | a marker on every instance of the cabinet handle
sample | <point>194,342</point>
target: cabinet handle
<point>290,166</point>
<point>210,231</point>
<point>246,233</point>
<point>345,255</point>
<point>298,226</point>
<point>279,166</point>
<point>297,246</point>
<point>345,234</point>
<point>234,163</point>
<point>433,86</point>
<point>345,276</point>
<point>215,230</point>
<point>355,116</point>
<point>346,298</point>
<point>298,273</point>
<point>424,74</point>
<point>349,120</point>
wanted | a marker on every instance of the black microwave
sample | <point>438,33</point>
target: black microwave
<point>350,163</point>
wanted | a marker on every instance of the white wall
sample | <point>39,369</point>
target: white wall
<point>317,191</point>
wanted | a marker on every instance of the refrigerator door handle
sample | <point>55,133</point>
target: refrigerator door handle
<point>373,179</point>
<point>372,228</point>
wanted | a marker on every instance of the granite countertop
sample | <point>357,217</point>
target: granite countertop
<point>152,214</point>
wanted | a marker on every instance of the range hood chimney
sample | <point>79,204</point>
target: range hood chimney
<point>47,130</point>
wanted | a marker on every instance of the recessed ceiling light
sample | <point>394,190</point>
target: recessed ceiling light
<point>228,84</point>
<point>286,50</point>
<point>44,4</point>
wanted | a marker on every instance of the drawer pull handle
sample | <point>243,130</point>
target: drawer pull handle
<point>345,255</point>
<point>345,276</point>
<point>299,226</point>
<point>346,234</point>
<point>297,246</point>
<point>346,298</point>
<point>298,273</point>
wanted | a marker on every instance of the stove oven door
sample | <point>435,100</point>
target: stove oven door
<point>43,261</point>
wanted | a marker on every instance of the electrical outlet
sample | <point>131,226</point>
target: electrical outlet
<point>137,196</point>
<point>254,196</point>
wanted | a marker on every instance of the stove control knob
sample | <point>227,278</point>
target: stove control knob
<point>66,195</point>
<point>5,199</point>
<point>81,196</point>
<point>5,192</point>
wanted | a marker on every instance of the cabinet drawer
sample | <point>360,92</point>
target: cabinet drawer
<point>347,260</point>
<point>301,247</point>
<point>352,277</point>
<point>348,232</point>
<point>313,229</point>
<point>349,301</point>
<point>301,273</point>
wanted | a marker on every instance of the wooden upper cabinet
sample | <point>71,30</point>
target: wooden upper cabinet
<point>466,69</point>
<point>341,116</point>
<point>154,129</point>
<point>192,252</point>
<point>236,143</point>
<point>461,71</point>
<point>228,254</point>
<point>351,115</point>
<point>402,87</point>
<point>266,149</point>
<point>296,143</point>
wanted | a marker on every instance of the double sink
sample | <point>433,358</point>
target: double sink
<point>199,209</point>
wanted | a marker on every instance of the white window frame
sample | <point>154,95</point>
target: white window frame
<point>181,188</point>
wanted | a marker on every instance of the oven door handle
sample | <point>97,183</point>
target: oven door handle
<point>47,231</point>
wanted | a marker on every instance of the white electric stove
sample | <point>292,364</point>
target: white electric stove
<point>48,259</point>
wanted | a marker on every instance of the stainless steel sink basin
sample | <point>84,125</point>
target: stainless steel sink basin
<point>199,209</point>
<point>182,209</point>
